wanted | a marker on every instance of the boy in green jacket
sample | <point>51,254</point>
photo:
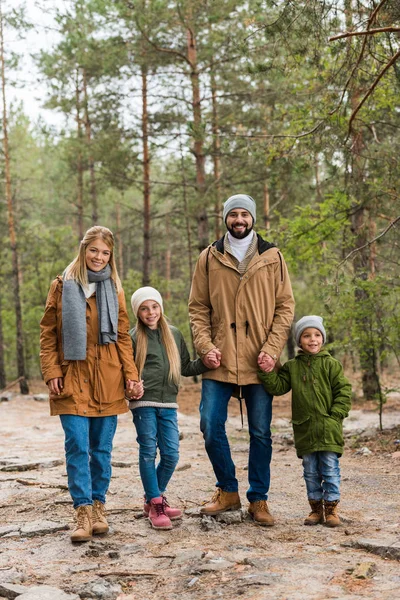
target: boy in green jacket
<point>321,399</point>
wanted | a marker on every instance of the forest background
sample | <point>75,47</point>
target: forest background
<point>168,107</point>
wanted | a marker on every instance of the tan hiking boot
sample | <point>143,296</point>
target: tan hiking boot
<point>316,515</point>
<point>100,525</point>
<point>332,518</point>
<point>221,502</point>
<point>83,526</point>
<point>259,512</point>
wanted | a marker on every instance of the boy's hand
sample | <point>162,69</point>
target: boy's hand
<point>134,389</point>
<point>266,362</point>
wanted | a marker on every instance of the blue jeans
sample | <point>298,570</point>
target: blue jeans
<point>88,446</point>
<point>215,396</point>
<point>322,475</point>
<point>156,428</point>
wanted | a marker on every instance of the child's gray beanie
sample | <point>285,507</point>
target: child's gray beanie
<point>309,321</point>
<point>240,201</point>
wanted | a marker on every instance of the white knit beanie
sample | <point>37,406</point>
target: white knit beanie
<point>240,201</point>
<point>309,321</point>
<point>143,294</point>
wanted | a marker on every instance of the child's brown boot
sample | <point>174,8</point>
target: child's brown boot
<point>332,518</point>
<point>316,515</point>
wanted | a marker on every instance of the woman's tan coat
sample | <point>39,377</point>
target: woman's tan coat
<point>240,315</point>
<point>93,387</point>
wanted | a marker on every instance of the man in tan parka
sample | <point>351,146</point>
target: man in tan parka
<point>241,308</point>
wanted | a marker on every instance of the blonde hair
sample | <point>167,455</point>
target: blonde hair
<point>171,349</point>
<point>77,269</point>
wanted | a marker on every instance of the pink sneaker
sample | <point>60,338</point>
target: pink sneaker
<point>172,513</point>
<point>157,516</point>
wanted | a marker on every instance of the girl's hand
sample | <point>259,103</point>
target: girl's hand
<point>134,389</point>
<point>56,385</point>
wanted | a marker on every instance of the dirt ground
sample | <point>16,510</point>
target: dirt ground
<point>200,558</point>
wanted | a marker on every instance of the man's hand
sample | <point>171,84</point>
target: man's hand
<point>266,362</point>
<point>56,385</point>
<point>134,389</point>
<point>212,359</point>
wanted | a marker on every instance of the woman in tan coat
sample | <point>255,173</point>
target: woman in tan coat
<point>86,360</point>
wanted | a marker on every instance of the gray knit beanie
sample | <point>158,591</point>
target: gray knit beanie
<point>143,294</point>
<point>309,321</point>
<point>240,201</point>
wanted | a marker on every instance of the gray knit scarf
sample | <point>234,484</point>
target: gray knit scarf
<point>74,313</point>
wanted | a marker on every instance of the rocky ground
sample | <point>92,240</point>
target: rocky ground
<point>227,557</point>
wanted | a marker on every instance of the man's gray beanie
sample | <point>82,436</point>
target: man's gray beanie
<point>240,201</point>
<point>309,321</point>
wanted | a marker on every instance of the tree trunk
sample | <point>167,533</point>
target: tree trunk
<point>266,215</point>
<point>3,381</point>
<point>146,182</point>
<point>118,236</point>
<point>79,162</point>
<point>23,384</point>
<point>198,144</point>
<point>92,175</point>
<point>168,258</point>
<point>216,158</point>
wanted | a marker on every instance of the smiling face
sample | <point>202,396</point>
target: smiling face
<point>311,340</point>
<point>239,223</point>
<point>97,255</point>
<point>150,313</point>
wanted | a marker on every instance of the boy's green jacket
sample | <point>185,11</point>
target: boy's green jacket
<point>321,399</point>
<point>157,387</point>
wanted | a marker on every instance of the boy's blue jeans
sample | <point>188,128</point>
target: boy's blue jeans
<point>88,446</point>
<point>322,475</point>
<point>156,428</point>
<point>215,396</point>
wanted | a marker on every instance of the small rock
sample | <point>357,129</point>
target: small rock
<point>396,455</point>
<point>364,570</point>
<point>12,575</point>
<point>46,592</point>
<point>99,589</point>
<point>188,556</point>
<point>216,564</point>
<point>193,581</point>
<point>41,397</point>
<point>209,524</point>
<point>41,528</point>
<point>5,396</point>
<point>183,467</point>
<point>231,517</point>
<point>363,451</point>
<point>121,464</point>
<point>11,590</point>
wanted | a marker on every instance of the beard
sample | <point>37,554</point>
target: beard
<point>240,235</point>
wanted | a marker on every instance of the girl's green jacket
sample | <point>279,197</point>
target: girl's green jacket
<point>321,399</point>
<point>157,387</point>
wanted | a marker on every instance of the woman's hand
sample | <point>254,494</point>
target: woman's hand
<point>134,389</point>
<point>56,385</point>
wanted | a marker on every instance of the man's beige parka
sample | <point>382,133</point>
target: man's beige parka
<point>240,315</point>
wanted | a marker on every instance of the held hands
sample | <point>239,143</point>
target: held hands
<point>212,359</point>
<point>134,389</point>
<point>56,385</point>
<point>266,362</point>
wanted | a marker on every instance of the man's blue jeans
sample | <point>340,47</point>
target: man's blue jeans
<point>156,428</point>
<point>88,446</point>
<point>215,396</point>
<point>322,475</point>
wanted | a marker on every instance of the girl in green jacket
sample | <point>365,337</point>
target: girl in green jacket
<point>161,357</point>
<point>321,399</point>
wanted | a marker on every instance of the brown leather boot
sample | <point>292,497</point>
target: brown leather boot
<point>83,526</point>
<point>332,518</point>
<point>259,512</point>
<point>221,502</point>
<point>100,525</point>
<point>316,515</point>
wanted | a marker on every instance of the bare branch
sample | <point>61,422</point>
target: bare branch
<point>348,34</point>
<point>392,224</point>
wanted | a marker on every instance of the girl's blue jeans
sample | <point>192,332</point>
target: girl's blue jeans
<point>88,446</point>
<point>156,427</point>
<point>215,396</point>
<point>322,475</point>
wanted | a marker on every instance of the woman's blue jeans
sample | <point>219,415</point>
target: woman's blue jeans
<point>322,475</point>
<point>156,428</point>
<point>88,446</point>
<point>215,396</point>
